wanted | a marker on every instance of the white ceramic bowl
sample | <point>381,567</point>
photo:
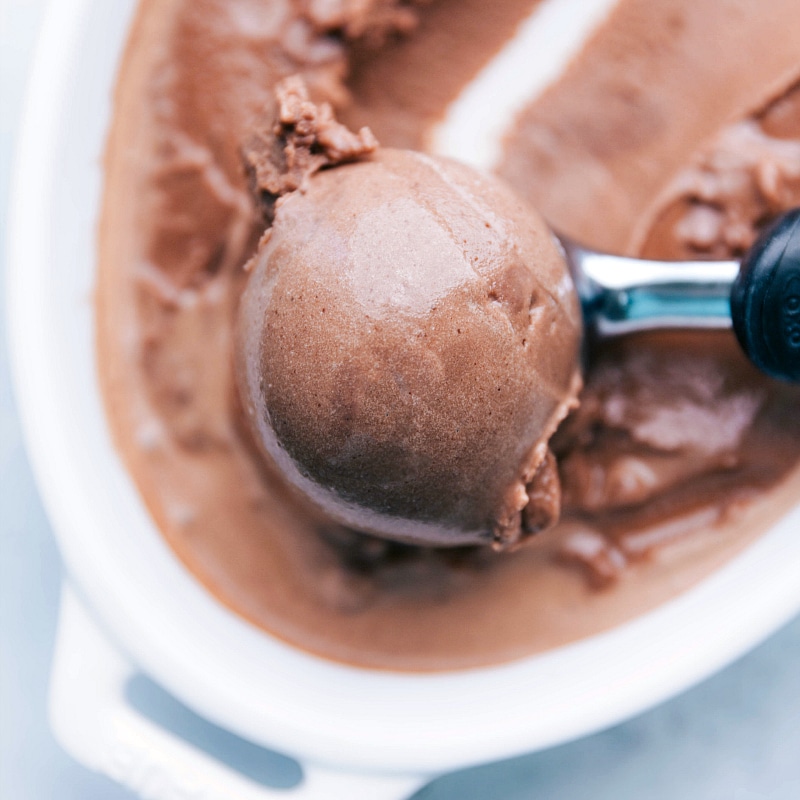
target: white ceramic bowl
<point>131,605</point>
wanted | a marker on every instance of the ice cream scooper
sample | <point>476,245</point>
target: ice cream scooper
<point>408,343</point>
<point>759,296</point>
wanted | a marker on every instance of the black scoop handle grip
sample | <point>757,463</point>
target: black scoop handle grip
<point>765,299</point>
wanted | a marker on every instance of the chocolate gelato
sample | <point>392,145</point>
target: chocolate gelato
<point>679,454</point>
<point>408,343</point>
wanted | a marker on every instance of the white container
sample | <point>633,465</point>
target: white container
<point>130,606</point>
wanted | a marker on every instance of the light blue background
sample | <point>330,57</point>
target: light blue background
<point>735,737</point>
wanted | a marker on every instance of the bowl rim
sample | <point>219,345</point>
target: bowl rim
<point>235,674</point>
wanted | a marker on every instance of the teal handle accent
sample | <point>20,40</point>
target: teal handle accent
<point>667,305</point>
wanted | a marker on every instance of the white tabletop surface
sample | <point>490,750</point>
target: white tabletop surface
<point>735,737</point>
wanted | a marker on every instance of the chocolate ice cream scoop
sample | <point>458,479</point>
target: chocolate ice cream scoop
<point>407,344</point>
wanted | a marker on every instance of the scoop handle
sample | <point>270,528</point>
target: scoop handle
<point>765,299</point>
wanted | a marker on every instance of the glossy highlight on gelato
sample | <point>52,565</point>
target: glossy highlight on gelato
<point>679,453</point>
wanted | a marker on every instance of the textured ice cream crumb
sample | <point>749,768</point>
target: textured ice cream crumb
<point>305,137</point>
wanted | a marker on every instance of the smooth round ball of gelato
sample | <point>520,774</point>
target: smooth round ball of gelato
<point>408,342</point>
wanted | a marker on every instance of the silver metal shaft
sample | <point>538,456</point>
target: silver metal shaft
<point>623,295</point>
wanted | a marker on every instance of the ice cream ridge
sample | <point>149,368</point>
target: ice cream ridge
<point>408,339</point>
